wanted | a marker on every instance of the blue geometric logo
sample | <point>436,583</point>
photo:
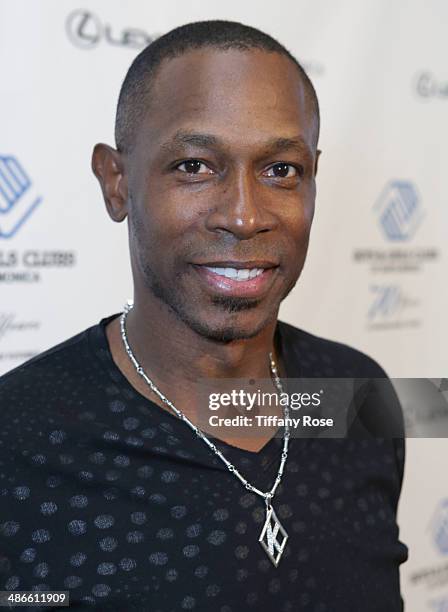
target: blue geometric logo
<point>441,605</point>
<point>387,301</point>
<point>399,210</point>
<point>17,198</point>
<point>440,527</point>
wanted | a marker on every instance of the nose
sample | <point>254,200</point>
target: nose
<point>241,208</point>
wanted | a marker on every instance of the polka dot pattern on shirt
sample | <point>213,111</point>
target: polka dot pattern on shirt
<point>106,495</point>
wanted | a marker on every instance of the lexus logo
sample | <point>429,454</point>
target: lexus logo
<point>86,30</point>
<point>428,86</point>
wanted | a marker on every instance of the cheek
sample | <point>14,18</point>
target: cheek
<point>171,213</point>
<point>308,216</point>
<point>296,227</point>
<point>298,221</point>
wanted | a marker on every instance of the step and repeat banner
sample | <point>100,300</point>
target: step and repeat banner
<point>376,274</point>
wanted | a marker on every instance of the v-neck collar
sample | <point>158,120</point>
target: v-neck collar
<point>263,459</point>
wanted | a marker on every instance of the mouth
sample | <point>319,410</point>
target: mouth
<point>236,278</point>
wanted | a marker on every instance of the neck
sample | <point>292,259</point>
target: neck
<point>176,355</point>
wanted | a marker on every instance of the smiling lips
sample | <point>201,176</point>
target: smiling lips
<point>239,279</point>
<point>241,274</point>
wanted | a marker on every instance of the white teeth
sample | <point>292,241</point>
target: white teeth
<point>243,274</point>
<point>237,273</point>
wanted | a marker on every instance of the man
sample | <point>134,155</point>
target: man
<point>109,494</point>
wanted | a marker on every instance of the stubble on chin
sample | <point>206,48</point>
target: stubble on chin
<point>231,330</point>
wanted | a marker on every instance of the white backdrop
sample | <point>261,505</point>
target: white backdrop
<point>379,239</point>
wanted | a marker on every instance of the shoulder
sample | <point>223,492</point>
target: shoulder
<point>74,354</point>
<point>319,356</point>
<point>36,374</point>
<point>380,413</point>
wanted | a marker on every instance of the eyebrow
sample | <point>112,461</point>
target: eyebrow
<point>273,145</point>
<point>191,138</point>
<point>297,143</point>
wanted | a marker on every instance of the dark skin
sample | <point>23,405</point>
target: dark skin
<point>249,197</point>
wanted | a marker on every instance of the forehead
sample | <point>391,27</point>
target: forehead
<point>242,97</point>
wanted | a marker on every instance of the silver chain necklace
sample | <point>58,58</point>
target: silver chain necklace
<point>272,526</point>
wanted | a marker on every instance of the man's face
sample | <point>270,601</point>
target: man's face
<point>222,189</point>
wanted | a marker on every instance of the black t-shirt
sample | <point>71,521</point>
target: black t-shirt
<point>106,495</point>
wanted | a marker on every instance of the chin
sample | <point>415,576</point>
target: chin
<point>220,318</point>
<point>240,325</point>
<point>225,334</point>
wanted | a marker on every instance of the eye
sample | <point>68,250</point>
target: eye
<point>283,170</point>
<point>194,166</point>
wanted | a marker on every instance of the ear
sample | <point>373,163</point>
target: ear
<point>318,152</point>
<point>108,167</point>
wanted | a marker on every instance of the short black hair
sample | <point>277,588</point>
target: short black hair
<point>133,98</point>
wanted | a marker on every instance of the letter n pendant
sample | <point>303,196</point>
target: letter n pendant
<point>268,538</point>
